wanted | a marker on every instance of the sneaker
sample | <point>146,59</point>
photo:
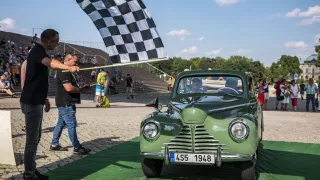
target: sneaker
<point>58,148</point>
<point>81,150</point>
<point>41,176</point>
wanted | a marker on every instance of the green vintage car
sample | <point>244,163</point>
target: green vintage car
<point>213,117</point>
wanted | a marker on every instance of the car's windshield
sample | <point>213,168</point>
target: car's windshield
<point>215,84</point>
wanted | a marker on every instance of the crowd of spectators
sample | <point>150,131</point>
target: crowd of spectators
<point>11,58</point>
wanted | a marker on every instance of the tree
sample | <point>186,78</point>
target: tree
<point>180,65</point>
<point>287,65</point>
<point>242,63</point>
<point>257,69</point>
<point>219,63</point>
<point>266,73</point>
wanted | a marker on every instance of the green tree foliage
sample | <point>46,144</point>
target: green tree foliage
<point>287,65</point>
<point>284,66</point>
<point>242,63</point>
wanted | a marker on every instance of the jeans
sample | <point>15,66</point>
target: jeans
<point>33,120</point>
<point>310,97</point>
<point>67,117</point>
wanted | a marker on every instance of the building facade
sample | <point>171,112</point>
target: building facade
<point>309,69</point>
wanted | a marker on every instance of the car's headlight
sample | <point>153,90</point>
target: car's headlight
<point>239,130</point>
<point>151,130</point>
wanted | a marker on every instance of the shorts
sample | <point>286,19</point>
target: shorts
<point>266,96</point>
<point>129,90</point>
<point>302,92</point>
<point>99,90</point>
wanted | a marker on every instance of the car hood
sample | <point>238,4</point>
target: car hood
<point>217,107</point>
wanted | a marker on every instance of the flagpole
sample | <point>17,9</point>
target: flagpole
<point>122,64</point>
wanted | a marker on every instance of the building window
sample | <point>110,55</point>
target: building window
<point>307,70</point>
<point>306,77</point>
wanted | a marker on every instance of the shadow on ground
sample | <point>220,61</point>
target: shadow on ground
<point>45,130</point>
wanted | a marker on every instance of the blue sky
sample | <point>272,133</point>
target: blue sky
<point>260,29</point>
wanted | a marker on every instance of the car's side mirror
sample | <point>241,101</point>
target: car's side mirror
<point>155,103</point>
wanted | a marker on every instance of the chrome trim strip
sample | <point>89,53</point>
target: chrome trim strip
<point>233,157</point>
<point>237,156</point>
<point>229,107</point>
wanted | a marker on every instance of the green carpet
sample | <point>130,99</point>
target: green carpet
<point>277,160</point>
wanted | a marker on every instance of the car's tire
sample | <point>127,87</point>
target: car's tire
<point>151,167</point>
<point>248,169</point>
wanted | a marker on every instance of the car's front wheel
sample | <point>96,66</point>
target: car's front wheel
<point>248,169</point>
<point>151,167</point>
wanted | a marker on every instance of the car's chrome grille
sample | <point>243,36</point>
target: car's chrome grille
<point>195,139</point>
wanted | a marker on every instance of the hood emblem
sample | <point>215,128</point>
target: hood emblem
<point>168,128</point>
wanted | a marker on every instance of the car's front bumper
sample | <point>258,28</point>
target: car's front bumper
<point>219,158</point>
<point>224,158</point>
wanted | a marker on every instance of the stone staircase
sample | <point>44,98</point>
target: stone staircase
<point>150,82</point>
<point>145,81</point>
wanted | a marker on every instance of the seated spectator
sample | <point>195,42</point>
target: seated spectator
<point>4,88</point>
<point>8,80</point>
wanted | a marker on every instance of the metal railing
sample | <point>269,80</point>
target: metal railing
<point>85,57</point>
<point>90,44</point>
<point>153,70</point>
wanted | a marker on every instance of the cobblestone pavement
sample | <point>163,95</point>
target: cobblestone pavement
<point>99,129</point>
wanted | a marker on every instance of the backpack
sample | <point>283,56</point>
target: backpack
<point>105,102</point>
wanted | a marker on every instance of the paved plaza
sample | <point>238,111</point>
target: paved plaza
<point>101,128</point>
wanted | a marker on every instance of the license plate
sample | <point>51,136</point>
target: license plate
<point>191,158</point>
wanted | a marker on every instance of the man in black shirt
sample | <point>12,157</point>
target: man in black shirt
<point>67,95</point>
<point>34,96</point>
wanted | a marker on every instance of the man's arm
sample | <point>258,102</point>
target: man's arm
<point>71,89</point>
<point>65,78</point>
<point>54,64</point>
<point>23,73</point>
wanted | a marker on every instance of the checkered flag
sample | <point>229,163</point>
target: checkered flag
<point>127,29</point>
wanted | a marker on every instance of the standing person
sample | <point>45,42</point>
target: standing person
<point>129,86</point>
<point>294,90</point>
<point>286,94</point>
<point>278,91</point>
<point>302,89</point>
<point>34,97</point>
<point>266,94</point>
<point>101,79</point>
<point>67,96</point>
<point>106,84</point>
<point>93,74</point>
<point>261,92</point>
<point>171,81</point>
<point>311,91</point>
